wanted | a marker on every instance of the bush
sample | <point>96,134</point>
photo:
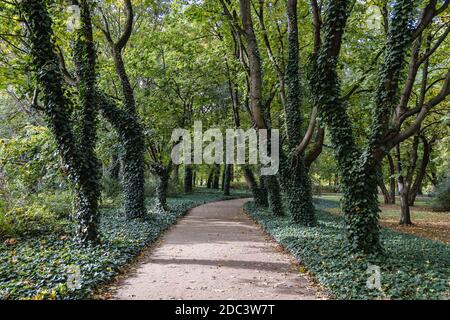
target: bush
<point>441,202</point>
<point>111,188</point>
<point>150,187</point>
<point>31,220</point>
<point>175,188</point>
<point>60,203</point>
<point>238,185</point>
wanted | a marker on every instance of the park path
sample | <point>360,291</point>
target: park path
<point>215,252</point>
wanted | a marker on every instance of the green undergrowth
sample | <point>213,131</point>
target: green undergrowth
<point>411,267</point>
<point>57,267</point>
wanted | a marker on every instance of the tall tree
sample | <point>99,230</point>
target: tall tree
<point>131,133</point>
<point>295,178</point>
<point>256,82</point>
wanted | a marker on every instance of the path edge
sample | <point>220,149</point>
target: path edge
<point>106,291</point>
<point>322,292</point>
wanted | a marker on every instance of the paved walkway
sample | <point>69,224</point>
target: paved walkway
<point>215,252</point>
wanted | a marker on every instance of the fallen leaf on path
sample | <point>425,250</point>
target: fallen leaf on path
<point>11,241</point>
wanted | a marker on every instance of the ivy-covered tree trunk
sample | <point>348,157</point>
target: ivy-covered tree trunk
<point>227,179</point>
<point>131,134</point>
<point>163,174</point>
<point>295,176</point>
<point>188,178</point>
<point>85,60</point>
<point>359,169</point>
<point>360,203</point>
<point>161,192</point>
<point>80,160</point>
<point>273,195</point>
<point>132,147</point>
<point>133,175</point>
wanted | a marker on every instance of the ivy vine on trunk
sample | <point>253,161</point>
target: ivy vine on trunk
<point>295,178</point>
<point>78,157</point>
<point>131,134</point>
<point>360,168</point>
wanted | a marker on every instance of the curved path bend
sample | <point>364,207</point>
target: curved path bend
<point>215,252</point>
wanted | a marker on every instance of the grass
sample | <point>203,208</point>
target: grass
<point>57,267</point>
<point>421,201</point>
<point>411,267</point>
<point>427,223</point>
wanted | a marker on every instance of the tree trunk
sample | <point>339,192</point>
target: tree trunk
<point>272,192</point>
<point>417,186</point>
<point>176,174</point>
<point>257,191</point>
<point>391,178</point>
<point>132,158</point>
<point>295,176</point>
<point>114,166</point>
<point>222,185</point>
<point>161,190</point>
<point>227,179</point>
<point>385,192</point>
<point>216,178</point>
<point>256,85</point>
<point>188,178</point>
<point>210,178</point>
<point>82,164</point>
<point>194,178</point>
<point>405,214</point>
<point>131,133</point>
<point>297,187</point>
<point>403,189</point>
<point>359,182</point>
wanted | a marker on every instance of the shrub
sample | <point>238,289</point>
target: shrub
<point>60,203</point>
<point>150,187</point>
<point>30,220</point>
<point>441,202</point>
<point>111,188</point>
<point>45,212</point>
<point>238,185</point>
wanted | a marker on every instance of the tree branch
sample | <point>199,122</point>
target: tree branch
<point>122,42</point>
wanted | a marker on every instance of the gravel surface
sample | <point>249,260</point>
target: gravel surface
<point>216,252</point>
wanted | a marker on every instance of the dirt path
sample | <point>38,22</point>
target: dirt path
<point>215,252</point>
